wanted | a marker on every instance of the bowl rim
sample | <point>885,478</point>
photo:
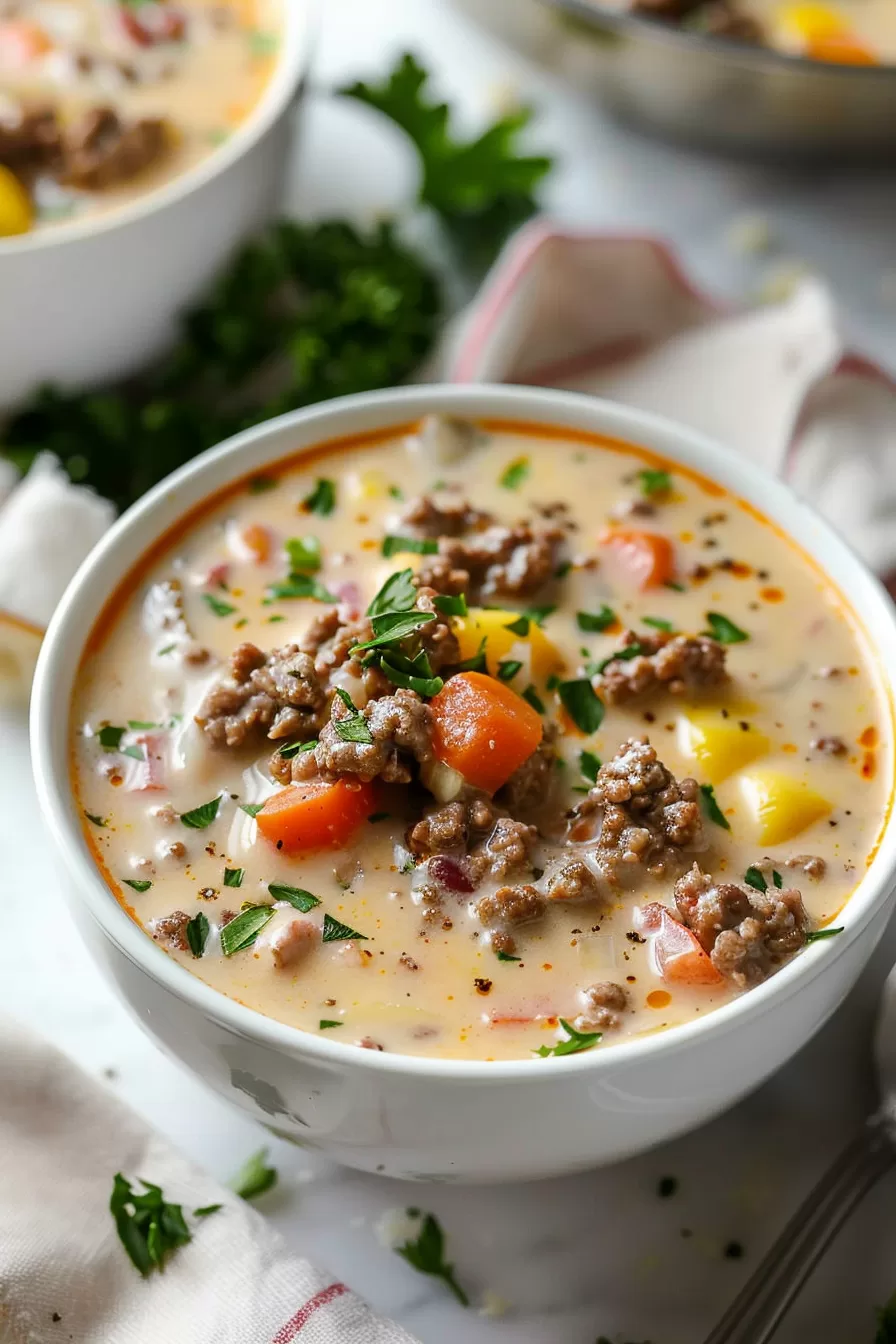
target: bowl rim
<point>259,448</point>
<point>297,25</point>
<point>595,12</point>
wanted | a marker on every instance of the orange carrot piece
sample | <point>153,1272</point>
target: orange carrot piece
<point>257,541</point>
<point>648,557</point>
<point>483,729</point>
<point>316,815</point>
<point>842,48</point>
<point>21,42</point>
<point>680,958</point>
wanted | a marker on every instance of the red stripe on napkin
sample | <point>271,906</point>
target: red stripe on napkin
<point>292,1327</point>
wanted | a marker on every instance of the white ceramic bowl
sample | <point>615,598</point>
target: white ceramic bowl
<point>432,1118</point>
<point>93,300</point>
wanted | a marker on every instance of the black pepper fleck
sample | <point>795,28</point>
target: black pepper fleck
<point>482,985</point>
<point>634,937</point>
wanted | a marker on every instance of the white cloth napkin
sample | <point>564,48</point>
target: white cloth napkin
<point>64,1274</point>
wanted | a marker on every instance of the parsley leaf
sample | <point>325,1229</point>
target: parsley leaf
<point>322,499</point>
<point>260,485</point>
<point>531,695</point>
<point>519,627</point>
<point>295,896</point>
<point>480,189</point>
<point>354,727</point>
<point>711,807</point>
<point>296,748</point>
<point>233,877</point>
<point>148,1226</point>
<point>575,1042</point>
<point>198,818</point>
<point>777,878</point>
<point>623,655</point>
<point>242,931</point>
<point>254,1177</point>
<point>326,1023</point>
<point>658,623</point>
<point>303,554</point>
<point>334,931</point>
<point>392,626</point>
<point>137,884</point>
<point>538,615</point>
<point>754,879</point>
<point>593,622</point>
<point>207,1210</point>
<point>251,809</point>
<point>819,935</point>
<point>197,934</point>
<point>415,674</point>
<point>299,585</point>
<point>654,482</point>
<point>508,669</point>
<point>219,607</point>
<point>475,664</point>
<point>589,764</point>
<point>110,738</point>
<point>398,593</point>
<point>449,605</point>
<point>393,545</point>
<point>515,473</point>
<point>505,956</point>
<point>426,1253</point>
<point>724,630</point>
<point>581,704</point>
<point>97,820</point>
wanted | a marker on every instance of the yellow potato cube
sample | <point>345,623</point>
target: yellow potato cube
<point>367,485</point>
<point>719,746</point>
<point>16,213</point>
<point>492,626</point>
<point>780,804</point>
<point>811,21</point>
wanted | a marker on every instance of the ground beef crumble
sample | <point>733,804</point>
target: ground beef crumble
<point>401,728</point>
<point>278,693</point>
<point>505,562</point>
<point>573,880</point>
<point>647,816</point>
<point>441,516</point>
<point>506,853</point>
<point>530,785</point>
<point>102,150</point>
<point>747,933</point>
<point>449,828</point>
<point>676,663</point>
<point>511,905</point>
<point>172,930</point>
<point>602,1005</point>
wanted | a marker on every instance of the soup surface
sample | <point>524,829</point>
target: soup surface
<point>852,32</point>
<point>604,751</point>
<point>101,101</point>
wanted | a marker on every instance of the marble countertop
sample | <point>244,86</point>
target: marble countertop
<point>599,1253</point>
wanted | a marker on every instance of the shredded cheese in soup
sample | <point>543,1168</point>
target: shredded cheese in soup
<point>479,740</point>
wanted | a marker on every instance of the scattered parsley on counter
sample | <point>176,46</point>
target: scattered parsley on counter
<point>582,705</point>
<point>197,934</point>
<point>334,931</point>
<point>138,884</point>
<point>298,898</point>
<point>217,606</point>
<point>515,473</point>
<point>711,807</point>
<point>575,1042</point>
<point>593,622</point>
<point>723,629</point>
<point>233,877</point>
<point>148,1226</point>
<point>201,817</point>
<point>241,932</point>
<point>426,1253</point>
<point>819,935</point>
<point>654,483</point>
<point>322,499</point>
<point>254,1177</point>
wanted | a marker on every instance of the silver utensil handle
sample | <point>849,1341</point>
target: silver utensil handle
<point>759,1308</point>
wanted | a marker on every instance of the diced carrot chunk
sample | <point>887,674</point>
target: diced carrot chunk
<point>483,729</point>
<point>842,48</point>
<point>647,557</point>
<point>315,815</point>
<point>679,957</point>
<point>21,42</point>
<point>257,541</point>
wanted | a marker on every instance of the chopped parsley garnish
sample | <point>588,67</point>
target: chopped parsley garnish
<point>141,725</point>
<point>334,931</point>
<point>251,809</point>
<point>581,704</point>
<point>298,586</point>
<point>754,879</point>
<point>233,877</point>
<point>508,669</point>
<point>259,485</point>
<point>326,1023</point>
<point>449,605</point>
<point>505,956</point>
<point>303,554</point>
<point>296,748</point>
<point>711,807</point>
<point>254,1177</point>
<point>515,473</point>
<point>197,934</point>
<point>169,648</point>
<point>623,655</point>
<point>589,764</point>
<point>415,674</point>
<point>593,622</point>
<point>389,627</point>
<point>135,752</point>
<point>819,935</point>
<point>394,545</point>
<point>658,623</point>
<point>149,1228</point>
<point>216,605</point>
<point>426,1253</point>
<point>322,499</point>
<point>198,818</point>
<point>263,44</point>
<point>675,587</point>
<point>110,738</point>
<point>242,931</point>
<point>575,1042</point>
<point>531,695</point>
<point>396,492</point>
<point>723,629</point>
<point>138,884</point>
<point>397,594</point>
<point>97,821</point>
<point>519,627</point>
<point>563,569</point>
<point>777,879</point>
<point>354,727</point>
<point>298,898</point>
<point>653,482</point>
<point>475,664</point>
<point>207,1210</point>
<point>538,615</point>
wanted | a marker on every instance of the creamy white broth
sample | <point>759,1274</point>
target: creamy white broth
<point>195,67</point>
<point>436,986</point>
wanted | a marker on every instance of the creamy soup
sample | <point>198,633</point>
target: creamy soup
<point>852,32</point>
<point>101,101</point>
<point>478,740</point>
